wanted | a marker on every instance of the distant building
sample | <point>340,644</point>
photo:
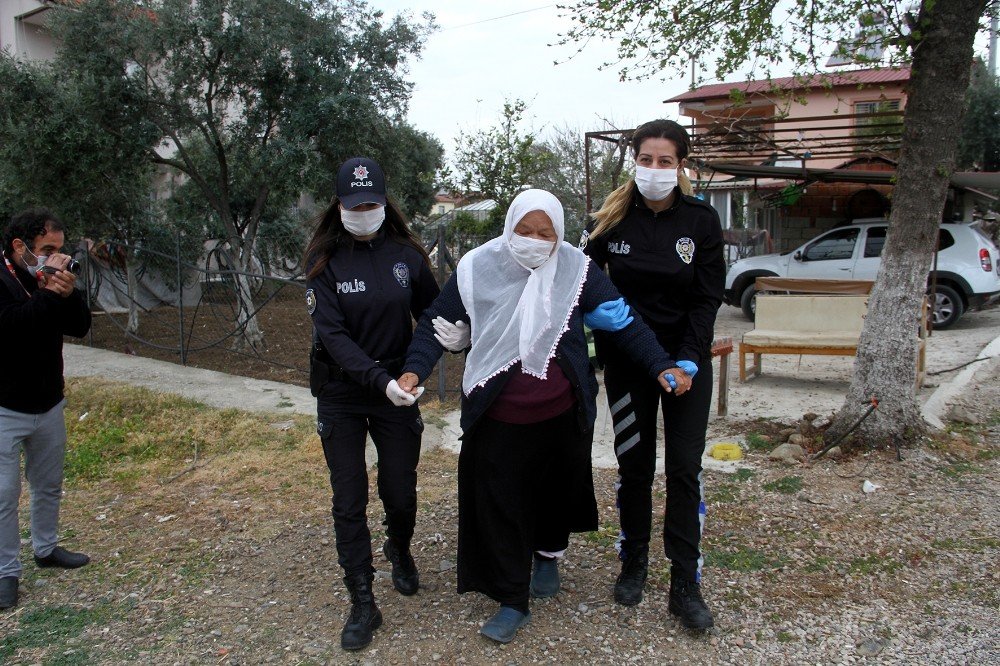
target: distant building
<point>793,115</point>
<point>444,202</point>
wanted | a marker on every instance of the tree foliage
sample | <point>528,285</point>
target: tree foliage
<point>980,145</point>
<point>501,160</point>
<point>252,101</point>
<point>564,173</point>
<point>662,38</point>
<point>63,147</point>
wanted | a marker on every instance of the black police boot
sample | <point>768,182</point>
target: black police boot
<point>405,578</point>
<point>687,604</point>
<point>628,587</point>
<point>365,616</point>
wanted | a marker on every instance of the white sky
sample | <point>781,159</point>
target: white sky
<point>466,72</point>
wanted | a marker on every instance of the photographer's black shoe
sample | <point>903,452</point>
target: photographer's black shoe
<point>628,587</point>
<point>8,592</point>
<point>687,604</point>
<point>405,577</point>
<point>62,558</point>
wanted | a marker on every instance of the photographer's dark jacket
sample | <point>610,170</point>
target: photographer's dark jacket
<point>670,267</point>
<point>33,322</point>
<point>361,306</point>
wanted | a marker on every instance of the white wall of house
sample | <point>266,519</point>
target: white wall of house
<point>22,29</point>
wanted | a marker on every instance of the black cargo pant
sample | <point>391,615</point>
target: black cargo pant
<point>633,398</point>
<point>347,413</point>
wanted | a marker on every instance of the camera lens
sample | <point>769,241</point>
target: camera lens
<point>74,267</point>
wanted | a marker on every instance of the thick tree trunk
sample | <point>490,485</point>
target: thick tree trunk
<point>246,319</point>
<point>886,363</point>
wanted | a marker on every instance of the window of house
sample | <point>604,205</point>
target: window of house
<point>876,106</point>
<point>837,244</point>
<point>440,210</point>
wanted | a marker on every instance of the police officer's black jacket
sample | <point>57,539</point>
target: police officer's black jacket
<point>361,306</point>
<point>32,324</point>
<point>670,267</point>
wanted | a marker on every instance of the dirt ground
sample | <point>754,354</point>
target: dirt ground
<point>233,561</point>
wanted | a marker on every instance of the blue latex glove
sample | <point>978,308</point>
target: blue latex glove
<point>609,316</point>
<point>671,380</point>
<point>690,367</point>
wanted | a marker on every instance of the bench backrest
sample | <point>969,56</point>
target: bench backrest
<point>810,314</point>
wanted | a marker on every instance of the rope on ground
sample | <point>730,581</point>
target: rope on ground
<point>959,367</point>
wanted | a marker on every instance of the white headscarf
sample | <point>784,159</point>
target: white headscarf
<point>518,314</point>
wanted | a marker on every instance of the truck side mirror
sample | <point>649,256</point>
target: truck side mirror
<point>797,256</point>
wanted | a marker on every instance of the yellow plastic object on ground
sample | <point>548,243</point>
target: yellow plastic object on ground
<point>726,451</point>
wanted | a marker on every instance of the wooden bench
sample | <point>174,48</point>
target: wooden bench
<point>802,324</point>
<point>820,324</point>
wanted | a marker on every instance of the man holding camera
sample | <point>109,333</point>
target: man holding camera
<point>38,305</point>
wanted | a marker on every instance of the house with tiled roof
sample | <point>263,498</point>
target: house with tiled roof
<point>846,120</point>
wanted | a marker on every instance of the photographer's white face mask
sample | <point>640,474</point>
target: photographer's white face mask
<point>655,184</point>
<point>530,252</point>
<point>362,222</point>
<point>39,260</point>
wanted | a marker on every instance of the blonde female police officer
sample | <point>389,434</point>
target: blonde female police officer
<point>663,251</point>
<point>368,276</point>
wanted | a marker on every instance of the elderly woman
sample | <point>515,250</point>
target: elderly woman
<point>528,403</point>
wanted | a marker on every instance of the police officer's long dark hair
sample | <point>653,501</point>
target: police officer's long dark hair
<point>330,233</point>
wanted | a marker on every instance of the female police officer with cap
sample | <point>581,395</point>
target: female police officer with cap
<point>367,276</point>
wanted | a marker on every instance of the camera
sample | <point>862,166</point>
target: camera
<point>73,267</point>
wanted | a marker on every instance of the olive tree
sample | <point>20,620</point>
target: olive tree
<point>243,94</point>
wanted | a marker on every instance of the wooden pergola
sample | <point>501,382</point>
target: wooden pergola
<point>751,147</point>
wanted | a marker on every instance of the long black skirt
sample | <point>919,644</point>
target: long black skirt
<point>521,488</point>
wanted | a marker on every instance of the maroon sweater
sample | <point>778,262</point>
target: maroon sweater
<point>526,399</point>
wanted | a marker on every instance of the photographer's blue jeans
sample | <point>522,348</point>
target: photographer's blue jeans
<point>43,439</point>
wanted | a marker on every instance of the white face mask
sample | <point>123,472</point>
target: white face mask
<point>655,184</point>
<point>530,252</point>
<point>39,261</point>
<point>362,222</point>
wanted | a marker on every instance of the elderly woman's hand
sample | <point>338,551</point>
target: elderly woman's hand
<point>408,382</point>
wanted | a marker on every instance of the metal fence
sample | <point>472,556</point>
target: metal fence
<point>163,305</point>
